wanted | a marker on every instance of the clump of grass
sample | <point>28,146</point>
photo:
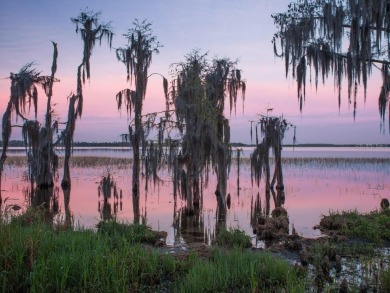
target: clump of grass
<point>373,227</point>
<point>31,216</point>
<point>133,233</point>
<point>233,238</point>
<point>241,271</point>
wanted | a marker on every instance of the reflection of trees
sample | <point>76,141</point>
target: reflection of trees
<point>136,212</point>
<point>68,215</point>
<point>189,225</point>
<point>220,221</point>
<point>107,189</point>
<point>44,199</point>
<point>268,227</point>
<point>255,210</point>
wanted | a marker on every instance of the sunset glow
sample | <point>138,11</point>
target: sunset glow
<point>241,31</point>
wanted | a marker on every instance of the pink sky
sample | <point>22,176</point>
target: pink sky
<point>238,30</point>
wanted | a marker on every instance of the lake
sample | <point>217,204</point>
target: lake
<point>317,180</point>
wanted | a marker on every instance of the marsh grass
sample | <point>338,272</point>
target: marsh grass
<point>77,162</point>
<point>38,258</point>
<point>320,163</point>
<point>233,238</point>
<point>133,234</point>
<point>373,227</point>
<point>359,239</point>
<point>241,271</point>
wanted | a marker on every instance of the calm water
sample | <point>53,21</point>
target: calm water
<point>317,180</point>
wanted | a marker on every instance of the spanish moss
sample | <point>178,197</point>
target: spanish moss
<point>91,30</point>
<point>137,57</point>
<point>272,130</point>
<point>343,38</point>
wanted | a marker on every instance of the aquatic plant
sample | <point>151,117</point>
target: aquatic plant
<point>373,226</point>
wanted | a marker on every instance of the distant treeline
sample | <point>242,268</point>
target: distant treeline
<point>20,143</point>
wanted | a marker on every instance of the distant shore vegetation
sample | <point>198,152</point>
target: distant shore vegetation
<point>20,143</point>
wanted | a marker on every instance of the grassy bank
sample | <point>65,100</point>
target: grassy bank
<point>39,258</point>
<point>373,227</point>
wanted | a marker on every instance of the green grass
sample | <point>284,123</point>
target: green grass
<point>233,238</point>
<point>132,234</point>
<point>35,257</point>
<point>373,227</point>
<point>241,271</point>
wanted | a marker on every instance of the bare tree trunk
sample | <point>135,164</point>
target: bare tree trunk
<point>222,164</point>
<point>279,175</point>
<point>68,215</point>
<point>136,211</point>
<point>222,179</point>
<point>136,162</point>
<point>44,160</point>
<point>189,191</point>
<point>238,172</point>
<point>267,185</point>
<point>220,223</point>
<point>196,190</point>
<point>65,184</point>
<point>68,140</point>
<point>137,136</point>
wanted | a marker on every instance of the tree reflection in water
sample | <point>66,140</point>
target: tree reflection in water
<point>107,189</point>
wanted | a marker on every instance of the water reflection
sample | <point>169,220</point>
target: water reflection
<point>107,189</point>
<point>189,226</point>
<point>312,188</point>
<point>68,215</point>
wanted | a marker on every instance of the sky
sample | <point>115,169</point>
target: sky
<point>239,30</point>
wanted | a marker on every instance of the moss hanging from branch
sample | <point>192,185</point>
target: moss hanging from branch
<point>343,38</point>
<point>137,57</point>
<point>273,130</point>
<point>38,139</point>
<point>91,31</point>
<point>199,90</point>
